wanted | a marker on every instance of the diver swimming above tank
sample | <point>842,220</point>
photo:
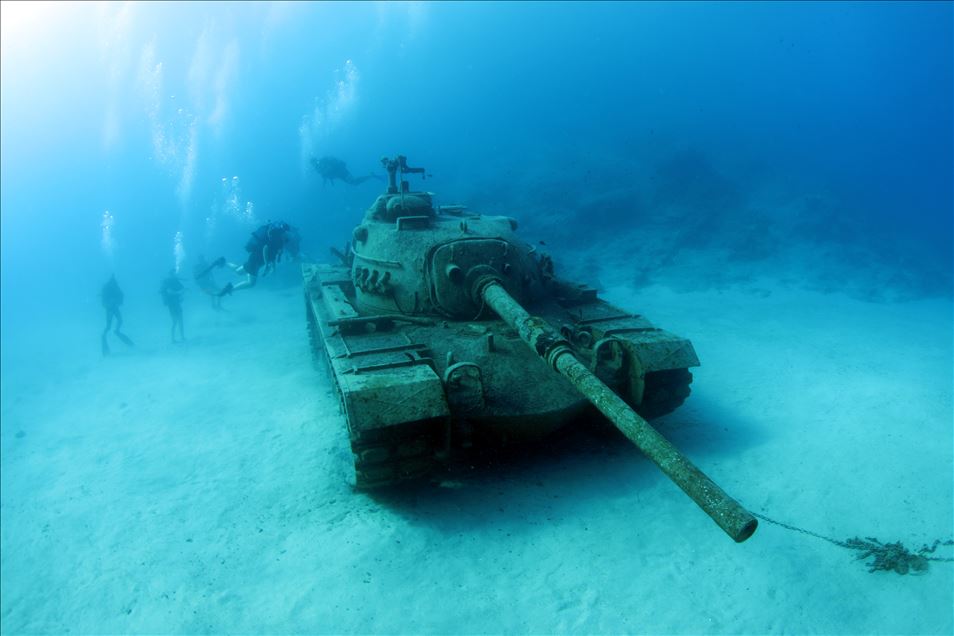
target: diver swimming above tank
<point>333,169</point>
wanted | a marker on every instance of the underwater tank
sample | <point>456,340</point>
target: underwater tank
<point>444,330</point>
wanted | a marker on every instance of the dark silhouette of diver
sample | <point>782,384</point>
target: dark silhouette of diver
<point>112,297</point>
<point>333,169</point>
<point>171,289</point>
<point>265,249</point>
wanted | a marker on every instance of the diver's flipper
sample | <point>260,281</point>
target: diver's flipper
<point>219,262</point>
<point>125,339</point>
<point>359,180</point>
<point>105,346</point>
<point>226,291</point>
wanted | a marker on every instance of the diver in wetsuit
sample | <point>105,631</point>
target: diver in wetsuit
<point>171,289</point>
<point>333,169</point>
<point>265,249</point>
<point>112,298</point>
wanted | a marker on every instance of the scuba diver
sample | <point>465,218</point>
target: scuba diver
<point>332,169</point>
<point>112,298</point>
<point>265,249</point>
<point>171,289</point>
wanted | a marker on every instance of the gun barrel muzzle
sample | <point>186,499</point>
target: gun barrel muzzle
<point>735,520</point>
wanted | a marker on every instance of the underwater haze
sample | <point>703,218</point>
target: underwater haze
<point>131,115</point>
<point>771,180</point>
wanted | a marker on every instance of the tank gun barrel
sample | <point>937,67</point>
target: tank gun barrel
<point>735,520</point>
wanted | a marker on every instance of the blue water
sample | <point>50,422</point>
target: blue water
<point>142,110</point>
<point>803,146</point>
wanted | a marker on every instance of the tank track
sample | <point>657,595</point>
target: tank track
<point>401,453</point>
<point>385,457</point>
<point>394,455</point>
<point>318,359</point>
<point>664,392</point>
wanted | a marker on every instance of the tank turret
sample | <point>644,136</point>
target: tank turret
<point>426,324</point>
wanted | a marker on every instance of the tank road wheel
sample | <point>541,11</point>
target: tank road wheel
<point>664,392</point>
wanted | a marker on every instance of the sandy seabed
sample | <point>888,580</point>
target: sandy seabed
<point>204,487</point>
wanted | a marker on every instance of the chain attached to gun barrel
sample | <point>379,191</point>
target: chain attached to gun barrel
<point>888,557</point>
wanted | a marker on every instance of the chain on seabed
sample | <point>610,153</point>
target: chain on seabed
<point>888,557</point>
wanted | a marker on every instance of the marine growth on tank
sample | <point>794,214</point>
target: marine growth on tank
<point>476,317</point>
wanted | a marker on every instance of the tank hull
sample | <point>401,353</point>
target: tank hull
<point>418,391</point>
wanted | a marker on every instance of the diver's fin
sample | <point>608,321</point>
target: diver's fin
<point>360,180</point>
<point>105,346</point>
<point>125,339</point>
<point>219,262</point>
<point>226,291</point>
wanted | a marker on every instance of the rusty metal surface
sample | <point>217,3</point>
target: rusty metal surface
<point>422,364</point>
<point>735,520</point>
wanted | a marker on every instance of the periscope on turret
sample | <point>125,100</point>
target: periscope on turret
<point>443,330</point>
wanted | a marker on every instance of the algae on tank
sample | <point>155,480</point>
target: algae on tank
<point>426,323</point>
